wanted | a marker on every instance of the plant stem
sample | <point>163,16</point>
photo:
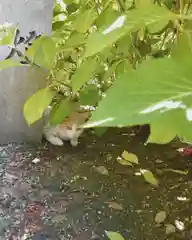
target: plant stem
<point>121,5</point>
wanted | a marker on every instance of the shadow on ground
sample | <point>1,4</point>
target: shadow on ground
<point>61,196</point>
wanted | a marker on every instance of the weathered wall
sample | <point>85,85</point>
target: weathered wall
<point>17,84</point>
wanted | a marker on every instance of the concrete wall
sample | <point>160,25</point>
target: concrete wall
<point>18,84</point>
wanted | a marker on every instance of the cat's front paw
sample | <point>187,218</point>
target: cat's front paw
<point>55,141</point>
<point>74,142</point>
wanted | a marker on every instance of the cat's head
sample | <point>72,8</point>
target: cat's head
<point>71,128</point>
<point>69,132</point>
<point>74,131</point>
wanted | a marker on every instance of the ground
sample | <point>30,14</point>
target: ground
<point>60,195</point>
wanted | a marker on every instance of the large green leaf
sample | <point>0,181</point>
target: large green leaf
<point>43,52</point>
<point>165,128</point>
<point>107,17</point>
<point>83,73</point>
<point>89,96</point>
<point>140,96</point>
<point>84,20</point>
<point>36,105</point>
<point>182,49</point>
<point>133,20</point>
<point>162,131</point>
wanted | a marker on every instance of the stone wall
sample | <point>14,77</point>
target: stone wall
<point>19,83</point>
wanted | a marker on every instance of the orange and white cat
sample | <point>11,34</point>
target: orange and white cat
<point>69,130</point>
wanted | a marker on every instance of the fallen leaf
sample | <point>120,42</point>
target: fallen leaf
<point>114,235</point>
<point>149,177</point>
<point>36,160</point>
<point>170,228</point>
<point>130,157</point>
<point>160,217</point>
<point>115,205</point>
<point>177,171</point>
<point>180,149</point>
<point>124,162</point>
<point>180,198</point>
<point>102,170</point>
<point>59,218</point>
<point>179,225</point>
<point>158,161</point>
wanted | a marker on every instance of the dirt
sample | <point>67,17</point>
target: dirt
<point>55,193</point>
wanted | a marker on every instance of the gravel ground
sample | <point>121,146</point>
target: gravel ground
<point>78,193</point>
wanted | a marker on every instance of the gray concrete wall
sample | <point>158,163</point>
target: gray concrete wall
<point>18,84</point>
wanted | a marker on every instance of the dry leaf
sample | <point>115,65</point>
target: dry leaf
<point>149,177</point>
<point>102,170</point>
<point>115,205</point>
<point>36,160</point>
<point>160,217</point>
<point>170,228</point>
<point>179,225</point>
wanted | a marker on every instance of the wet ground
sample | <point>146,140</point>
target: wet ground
<point>56,193</point>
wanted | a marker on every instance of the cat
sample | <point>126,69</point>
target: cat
<point>69,130</point>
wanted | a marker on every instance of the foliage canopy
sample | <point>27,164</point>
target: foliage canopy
<point>128,58</point>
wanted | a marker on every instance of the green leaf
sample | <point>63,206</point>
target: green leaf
<point>75,39</point>
<point>35,106</point>
<point>7,63</point>
<point>123,67</point>
<point>62,75</point>
<point>149,177</point>
<point>71,8</point>
<point>182,49</point>
<point>42,52</point>
<point>124,24</point>
<point>59,17</point>
<point>114,235</point>
<point>107,17</point>
<point>109,72</point>
<point>83,73</point>
<point>123,45</point>
<point>130,157</point>
<point>89,96</point>
<point>8,35</point>
<point>84,21</point>
<point>168,3</point>
<point>61,111</point>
